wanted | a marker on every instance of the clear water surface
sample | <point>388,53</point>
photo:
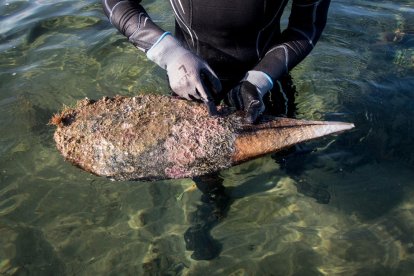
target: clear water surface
<point>58,220</point>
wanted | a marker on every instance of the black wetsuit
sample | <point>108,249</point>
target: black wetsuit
<point>233,36</point>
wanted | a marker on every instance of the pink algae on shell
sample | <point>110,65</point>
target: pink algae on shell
<point>190,141</point>
<point>145,137</point>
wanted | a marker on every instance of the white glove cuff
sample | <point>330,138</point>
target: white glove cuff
<point>259,79</point>
<point>166,50</point>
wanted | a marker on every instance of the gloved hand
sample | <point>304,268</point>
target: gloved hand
<point>248,94</point>
<point>190,77</point>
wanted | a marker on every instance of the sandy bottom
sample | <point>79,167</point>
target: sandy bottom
<point>81,224</point>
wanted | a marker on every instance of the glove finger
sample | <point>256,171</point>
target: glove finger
<point>195,95</point>
<point>253,104</point>
<point>212,108</point>
<point>203,92</point>
<point>234,97</point>
<point>253,111</point>
<point>207,99</point>
<point>211,80</point>
<point>178,92</point>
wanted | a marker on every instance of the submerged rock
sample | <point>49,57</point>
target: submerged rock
<point>151,137</point>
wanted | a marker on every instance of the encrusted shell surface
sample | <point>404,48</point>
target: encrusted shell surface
<point>146,137</point>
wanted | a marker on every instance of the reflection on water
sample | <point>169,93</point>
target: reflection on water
<point>342,205</point>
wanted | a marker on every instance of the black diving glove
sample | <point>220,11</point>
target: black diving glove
<point>248,94</point>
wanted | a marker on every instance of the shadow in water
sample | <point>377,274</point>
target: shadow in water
<point>217,199</point>
<point>30,252</point>
<point>215,203</point>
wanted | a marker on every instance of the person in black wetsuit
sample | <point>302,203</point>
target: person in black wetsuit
<point>225,50</point>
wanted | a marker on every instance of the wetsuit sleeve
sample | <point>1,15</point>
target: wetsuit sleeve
<point>130,18</point>
<point>306,23</point>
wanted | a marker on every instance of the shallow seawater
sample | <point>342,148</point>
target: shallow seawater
<point>341,206</point>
